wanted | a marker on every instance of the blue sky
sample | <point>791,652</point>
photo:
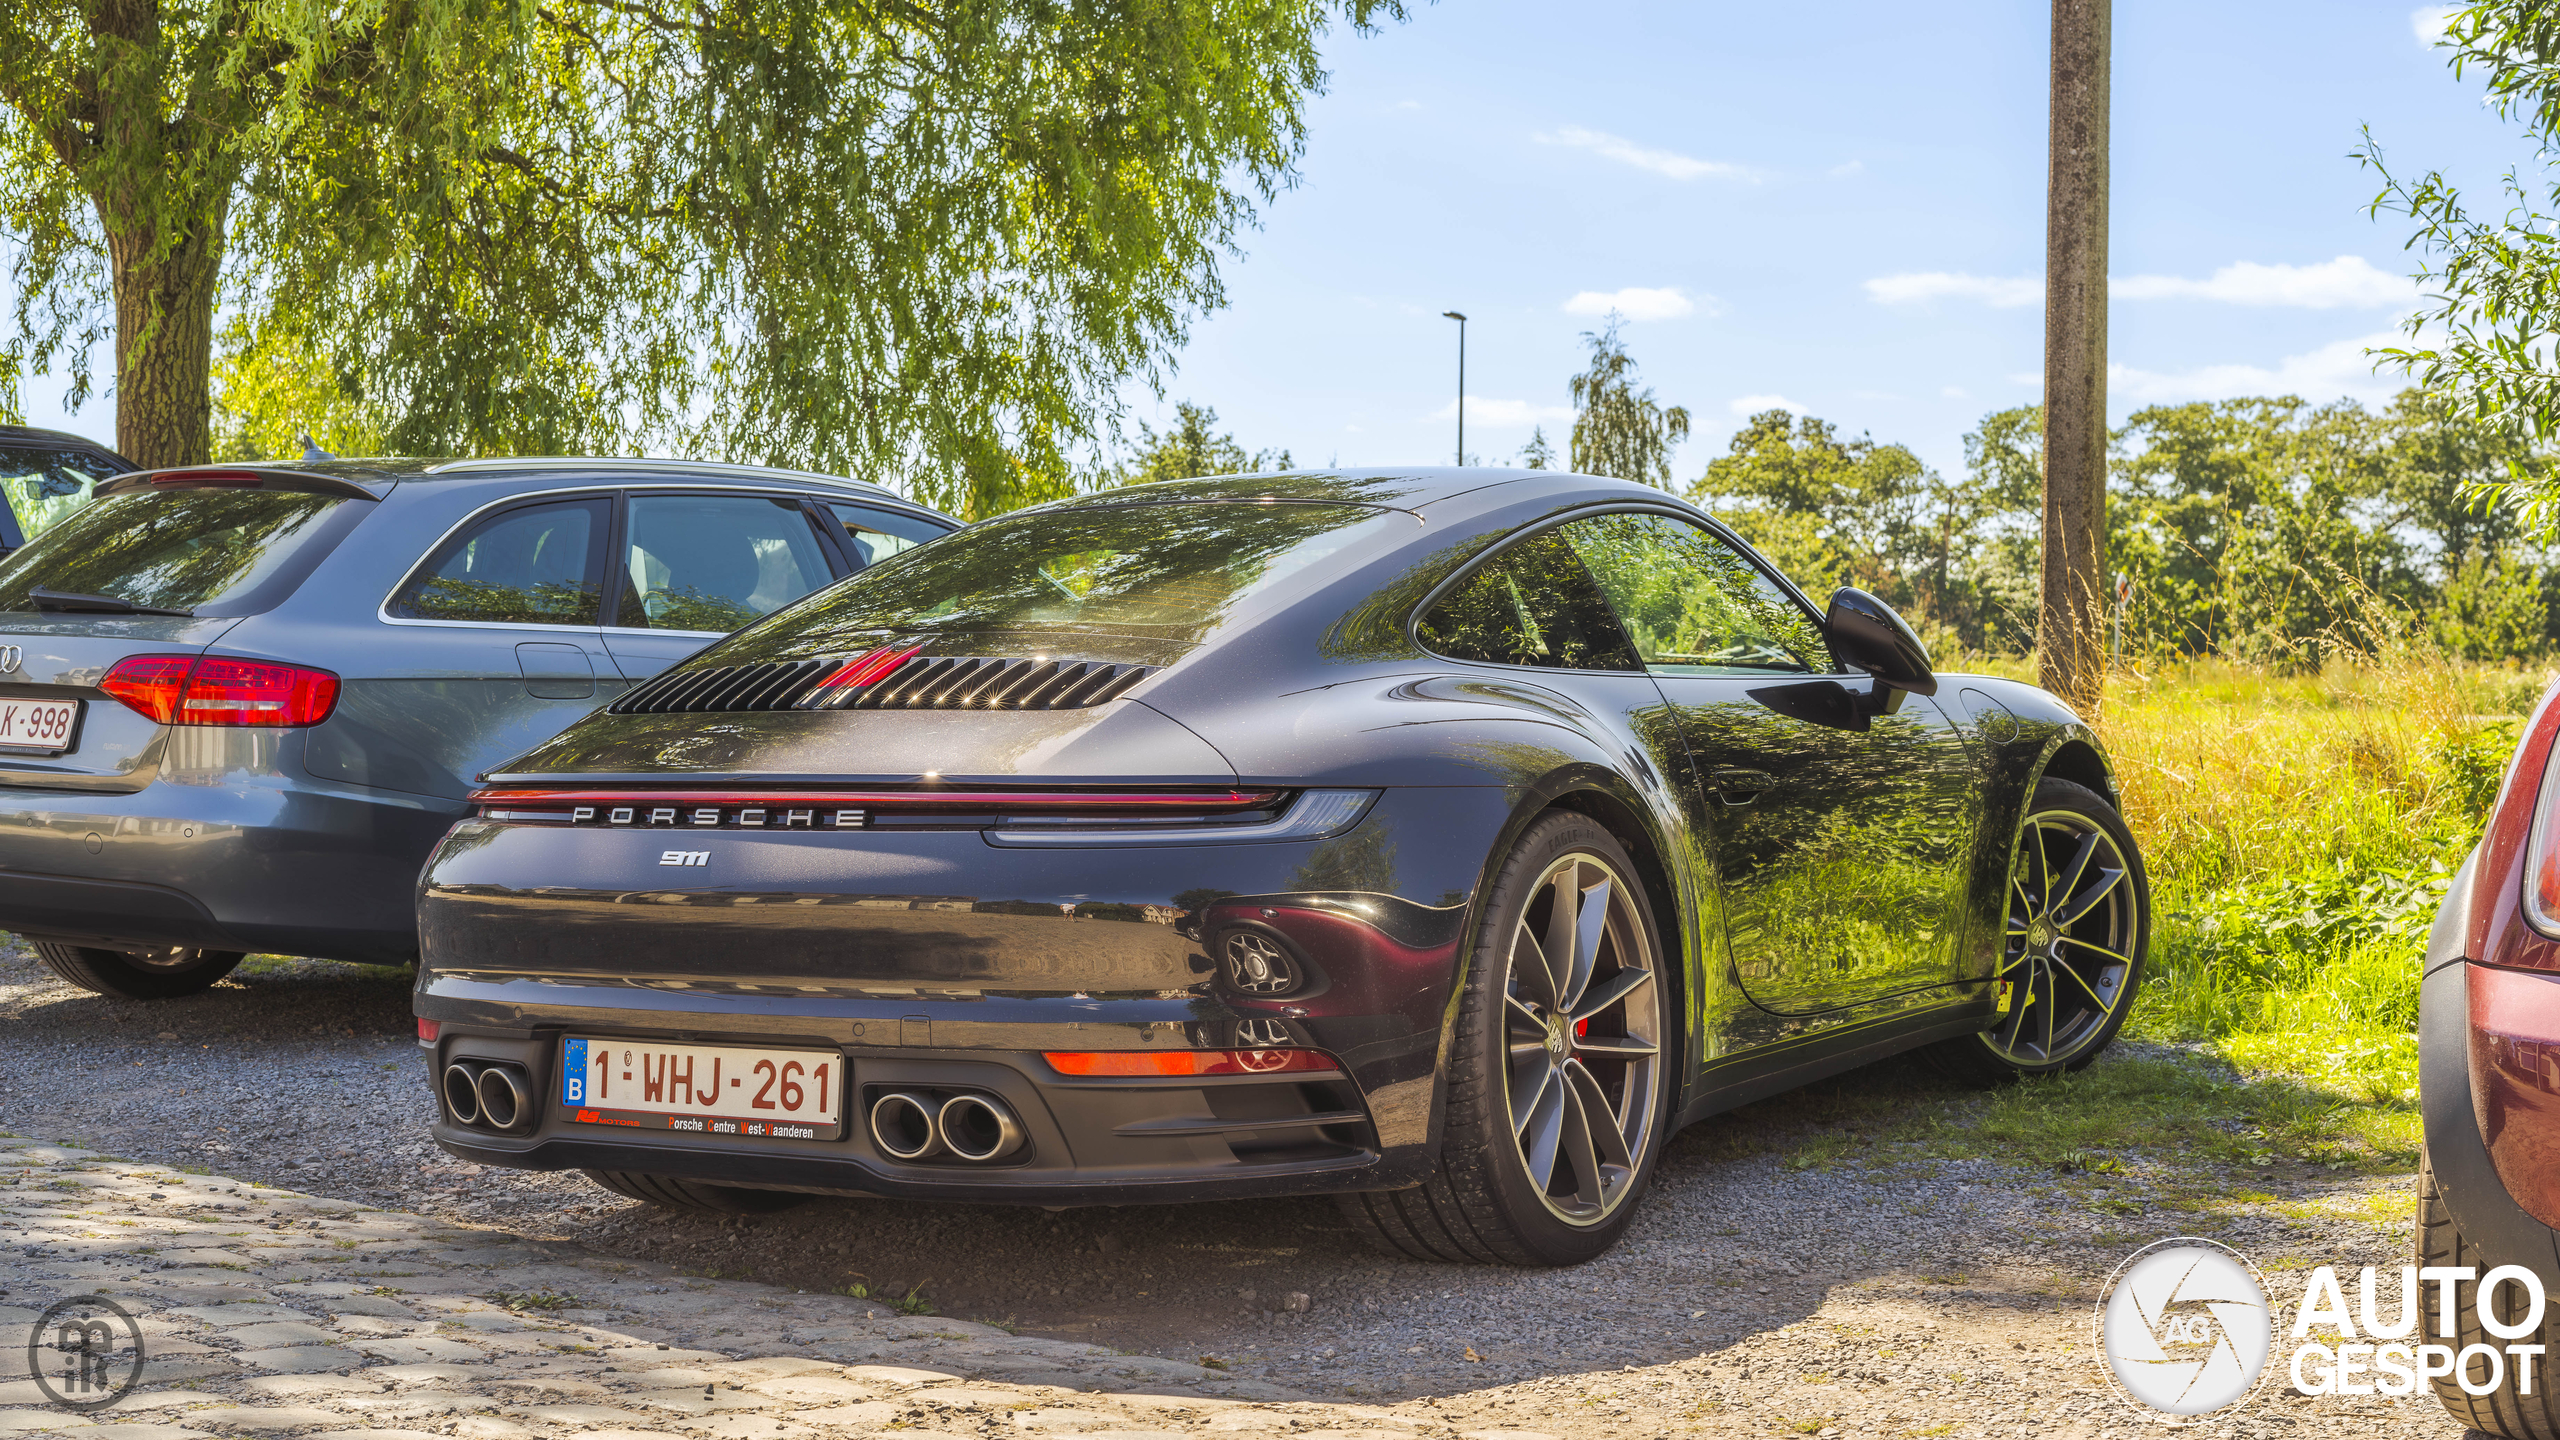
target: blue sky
<point>1835,207</point>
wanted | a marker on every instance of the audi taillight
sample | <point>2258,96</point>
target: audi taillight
<point>211,690</point>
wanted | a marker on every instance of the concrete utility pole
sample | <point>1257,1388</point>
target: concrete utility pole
<point>2070,638</point>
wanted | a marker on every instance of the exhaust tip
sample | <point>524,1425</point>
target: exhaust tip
<point>462,1094</point>
<point>502,1098</point>
<point>902,1125</point>
<point>979,1128</point>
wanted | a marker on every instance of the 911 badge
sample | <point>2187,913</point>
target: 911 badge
<point>684,857</point>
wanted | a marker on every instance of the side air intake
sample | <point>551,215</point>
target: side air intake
<point>906,682</point>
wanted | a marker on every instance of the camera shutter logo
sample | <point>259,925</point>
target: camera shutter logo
<point>2185,1328</point>
<point>85,1353</point>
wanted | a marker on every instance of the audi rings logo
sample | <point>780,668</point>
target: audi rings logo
<point>2185,1328</point>
<point>85,1353</point>
<point>10,655</point>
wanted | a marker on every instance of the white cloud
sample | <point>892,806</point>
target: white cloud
<point>1754,404</point>
<point>1408,104</point>
<point>1627,152</point>
<point>1848,168</point>
<point>2328,285</point>
<point>1638,303</point>
<point>1955,392</point>
<point>2345,281</point>
<point>1504,414</point>
<point>1995,290</point>
<point>2429,22</point>
<point>2339,368</point>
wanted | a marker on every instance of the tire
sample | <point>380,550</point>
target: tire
<point>165,975</point>
<point>2078,971</point>
<point>2502,1411</point>
<point>1581,1052</point>
<point>670,1193</point>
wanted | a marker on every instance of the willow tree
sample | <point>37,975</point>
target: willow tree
<point>1618,427</point>
<point>920,240</point>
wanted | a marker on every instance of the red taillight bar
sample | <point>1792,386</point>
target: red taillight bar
<point>1187,1062</point>
<point>210,480</point>
<point>936,799</point>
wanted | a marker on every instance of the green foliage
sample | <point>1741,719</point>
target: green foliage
<point>1192,448</point>
<point>2482,338</point>
<point>1618,429</point>
<point>922,244</point>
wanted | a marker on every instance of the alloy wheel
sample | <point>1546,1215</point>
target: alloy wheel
<point>2066,959</point>
<point>1582,1067</point>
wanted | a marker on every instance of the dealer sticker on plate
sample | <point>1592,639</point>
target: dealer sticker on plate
<point>703,1089</point>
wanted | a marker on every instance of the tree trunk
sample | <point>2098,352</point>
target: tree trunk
<point>164,342</point>
<point>2070,639</point>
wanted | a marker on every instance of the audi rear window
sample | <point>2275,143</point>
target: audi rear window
<point>1153,571</point>
<point>209,551</point>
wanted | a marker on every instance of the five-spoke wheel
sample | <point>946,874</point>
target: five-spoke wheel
<point>1584,1071</point>
<point>2077,920</point>
<point>1555,1089</point>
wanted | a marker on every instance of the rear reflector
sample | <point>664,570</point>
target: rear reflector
<point>1187,1062</point>
<point>212,690</point>
<point>428,1030</point>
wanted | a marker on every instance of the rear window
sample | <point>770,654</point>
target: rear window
<point>213,552</point>
<point>1162,572</point>
<point>45,486</point>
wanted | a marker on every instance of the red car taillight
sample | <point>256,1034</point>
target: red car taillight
<point>210,690</point>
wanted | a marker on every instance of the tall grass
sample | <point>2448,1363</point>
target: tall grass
<point>2299,828</point>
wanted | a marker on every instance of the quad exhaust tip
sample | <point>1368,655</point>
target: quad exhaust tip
<point>968,1127</point>
<point>487,1096</point>
<point>978,1128</point>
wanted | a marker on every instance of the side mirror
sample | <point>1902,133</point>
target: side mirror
<point>1866,635</point>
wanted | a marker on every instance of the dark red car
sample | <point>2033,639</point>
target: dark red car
<point>2489,1084</point>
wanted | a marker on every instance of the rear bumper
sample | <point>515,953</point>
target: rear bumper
<point>1089,1141</point>
<point>258,862</point>
<point>2453,1082</point>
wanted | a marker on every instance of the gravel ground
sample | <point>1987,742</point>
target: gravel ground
<point>1752,1296</point>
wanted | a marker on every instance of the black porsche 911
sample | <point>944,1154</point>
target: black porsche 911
<point>1442,840</point>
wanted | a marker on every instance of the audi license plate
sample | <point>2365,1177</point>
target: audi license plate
<point>703,1089</point>
<point>44,727</point>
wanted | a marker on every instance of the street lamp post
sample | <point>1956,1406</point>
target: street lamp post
<point>1462,381</point>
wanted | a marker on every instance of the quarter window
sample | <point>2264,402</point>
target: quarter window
<point>1692,603</point>
<point>539,565</point>
<point>1532,604</point>
<point>715,562</point>
<point>875,535</point>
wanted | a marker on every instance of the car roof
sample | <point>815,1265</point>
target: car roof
<point>30,435</point>
<point>379,472</point>
<point>1397,487</point>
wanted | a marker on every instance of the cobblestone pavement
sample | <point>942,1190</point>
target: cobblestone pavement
<point>271,1312</point>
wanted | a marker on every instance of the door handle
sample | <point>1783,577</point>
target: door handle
<point>1736,786</point>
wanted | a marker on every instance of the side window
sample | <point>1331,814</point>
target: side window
<point>538,565</point>
<point>1692,603</point>
<point>1532,604</point>
<point>875,535</point>
<point>44,486</point>
<point>715,562</point>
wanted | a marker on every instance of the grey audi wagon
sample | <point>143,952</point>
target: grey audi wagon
<point>240,704</point>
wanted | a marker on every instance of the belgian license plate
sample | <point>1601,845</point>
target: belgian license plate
<point>42,726</point>
<point>703,1089</point>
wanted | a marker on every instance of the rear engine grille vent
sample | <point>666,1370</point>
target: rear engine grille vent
<point>916,682</point>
